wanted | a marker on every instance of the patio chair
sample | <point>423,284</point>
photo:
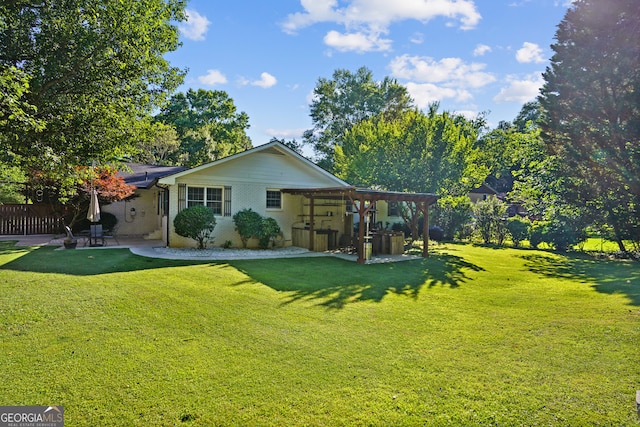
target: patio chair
<point>96,234</point>
<point>111,234</point>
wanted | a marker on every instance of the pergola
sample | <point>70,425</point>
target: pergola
<point>359,197</point>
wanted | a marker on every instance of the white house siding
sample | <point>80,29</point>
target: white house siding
<point>382,211</point>
<point>145,221</point>
<point>250,177</point>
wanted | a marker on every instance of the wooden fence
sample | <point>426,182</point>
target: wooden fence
<point>31,219</point>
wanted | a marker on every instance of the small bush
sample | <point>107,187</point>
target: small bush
<point>564,231</point>
<point>519,229</point>
<point>269,230</point>
<point>248,223</point>
<point>489,216</point>
<point>452,214</point>
<point>537,233</point>
<point>107,219</point>
<point>436,233</point>
<point>196,222</point>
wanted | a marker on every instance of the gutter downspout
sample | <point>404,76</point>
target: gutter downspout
<point>165,188</point>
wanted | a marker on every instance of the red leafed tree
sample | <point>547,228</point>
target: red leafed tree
<point>109,186</point>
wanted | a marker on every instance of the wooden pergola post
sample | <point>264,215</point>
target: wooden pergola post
<point>363,211</point>
<point>424,208</point>
<point>311,225</point>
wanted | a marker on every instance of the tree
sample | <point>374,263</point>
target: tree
<point>16,114</point>
<point>518,229</point>
<point>490,217</point>
<point>414,152</point>
<point>293,144</point>
<point>591,104</point>
<point>83,72</point>
<point>346,99</point>
<point>104,179</point>
<point>160,147</point>
<point>197,223</point>
<point>208,126</point>
<point>452,214</point>
<point>12,183</point>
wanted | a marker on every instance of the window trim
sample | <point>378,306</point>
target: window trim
<point>273,190</point>
<point>220,204</point>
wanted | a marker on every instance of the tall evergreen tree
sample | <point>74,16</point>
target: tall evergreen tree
<point>591,104</point>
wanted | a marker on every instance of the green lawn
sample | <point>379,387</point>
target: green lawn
<point>471,336</point>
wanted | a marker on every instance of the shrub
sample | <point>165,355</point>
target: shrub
<point>519,229</point>
<point>490,215</point>
<point>537,233</point>
<point>436,233</point>
<point>452,214</point>
<point>107,219</point>
<point>269,230</point>
<point>196,222</point>
<point>248,223</point>
<point>564,231</point>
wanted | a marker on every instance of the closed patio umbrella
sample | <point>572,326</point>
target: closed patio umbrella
<point>94,207</point>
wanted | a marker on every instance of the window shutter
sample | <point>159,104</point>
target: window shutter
<point>182,196</point>
<point>227,201</point>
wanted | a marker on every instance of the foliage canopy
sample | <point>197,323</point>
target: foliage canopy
<point>208,124</point>
<point>83,75</point>
<point>345,100</point>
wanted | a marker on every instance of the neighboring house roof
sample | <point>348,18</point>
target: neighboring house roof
<point>484,189</point>
<point>272,147</point>
<point>146,176</point>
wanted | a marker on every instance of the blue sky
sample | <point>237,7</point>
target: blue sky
<point>470,55</point>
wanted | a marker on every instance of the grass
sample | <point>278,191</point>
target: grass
<point>471,336</point>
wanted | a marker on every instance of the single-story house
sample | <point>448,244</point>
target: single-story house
<point>482,193</point>
<point>313,208</point>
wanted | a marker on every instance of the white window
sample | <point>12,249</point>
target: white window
<point>210,197</point>
<point>274,199</point>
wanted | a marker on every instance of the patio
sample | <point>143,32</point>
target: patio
<point>156,249</point>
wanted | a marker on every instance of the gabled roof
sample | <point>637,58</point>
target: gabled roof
<point>271,147</point>
<point>484,189</point>
<point>146,176</point>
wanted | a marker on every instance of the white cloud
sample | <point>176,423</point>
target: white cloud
<point>315,11</point>
<point>451,72</point>
<point>417,38</point>
<point>467,114</point>
<point>481,49</point>
<point>356,42</point>
<point>520,90</point>
<point>367,19</point>
<point>195,27</point>
<point>529,52</point>
<point>213,77</point>
<point>266,81</point>
<point>285,133</point>
<point>426,93</point>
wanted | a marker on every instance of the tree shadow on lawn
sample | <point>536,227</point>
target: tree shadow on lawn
<point>47,259</point>
<point>605,276</point>
<point>333,282</point>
